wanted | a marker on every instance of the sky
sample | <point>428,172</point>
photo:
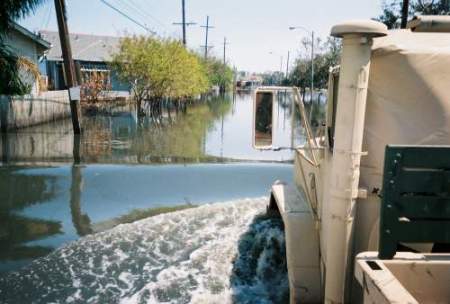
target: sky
<point>257,30</point>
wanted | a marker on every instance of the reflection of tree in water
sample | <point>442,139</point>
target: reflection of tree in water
<point>96,137</point>
<point>18,191</point>
<point>184,137</point>
<point>284,100</point>
<point>169,138</point>
<point>16,230</point>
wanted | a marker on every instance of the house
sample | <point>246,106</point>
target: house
<point>91,54</point>
<point>39,106</point>
<point>26,44</point>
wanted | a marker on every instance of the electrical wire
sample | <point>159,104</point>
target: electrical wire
<point>46,16</point>
<point>140,10</point>
<point>128,17</point>
<point>50,14</point>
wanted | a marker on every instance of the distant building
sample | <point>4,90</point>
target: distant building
<point>91,54</point>
<point>26,44</point>
<point>246,81</point>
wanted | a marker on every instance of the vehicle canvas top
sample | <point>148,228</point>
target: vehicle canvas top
<point>408,98</point>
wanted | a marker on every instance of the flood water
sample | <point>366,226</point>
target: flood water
<point>98,230</point>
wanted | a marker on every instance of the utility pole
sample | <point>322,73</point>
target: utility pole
<point>183,19</point>
<point>312,77</point>
<point>405,8</point>
<point>207,27</point>
<point>222,86</point>
<point>69,67</point>
<point>224,50</point>
<point>281,70</point>
<point>312,69</point>
<point>287,65</point>
<point>183,23</point>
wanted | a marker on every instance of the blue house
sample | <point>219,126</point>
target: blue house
<point>91,54</point>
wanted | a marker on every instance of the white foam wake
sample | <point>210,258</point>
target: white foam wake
<point>214,253</point>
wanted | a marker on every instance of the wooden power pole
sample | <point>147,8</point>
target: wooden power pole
<point>69,67</point>
<point>183,22</point>
<point>287,65</point>
<point>207,27</point>
<point>224,50</point>
<point>405,9</point>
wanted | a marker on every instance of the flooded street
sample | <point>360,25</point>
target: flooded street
<point>217,130</point>
<point>138,171</point>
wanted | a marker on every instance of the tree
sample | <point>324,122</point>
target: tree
<point>10,64</point>
<point>391,15</point>
<point>159,68</point>
<point>271,78</point>
<point>219,74</point>
<point>327,54</point>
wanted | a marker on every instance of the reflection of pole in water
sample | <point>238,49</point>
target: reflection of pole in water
<point>221,138</point>
<point>277,100</point>
<point>284,111</point>
<point>76,148</point>
<point>204,141</point>
<point>80,221</point>
<point>292,121</point>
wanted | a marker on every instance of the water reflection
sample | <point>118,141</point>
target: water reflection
<point>43,207</point>
<point>81,221</point>
<point>19,191</point>
<point>216,130</point>
<point>234,139</point>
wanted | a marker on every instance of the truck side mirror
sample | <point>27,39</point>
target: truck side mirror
<point>263,119</point>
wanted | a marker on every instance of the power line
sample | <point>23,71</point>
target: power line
<point>50,13</point>
<point>46,17</point>
<point>146,13</point>
<point>131,9</point>
<point>128,17</point>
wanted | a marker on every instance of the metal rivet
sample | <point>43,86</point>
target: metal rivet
<point>387,231</point>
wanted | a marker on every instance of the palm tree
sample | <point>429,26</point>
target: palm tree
<point>10,10</point>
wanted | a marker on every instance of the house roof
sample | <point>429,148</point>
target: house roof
<point>84,47</point>
<point>42,44</point>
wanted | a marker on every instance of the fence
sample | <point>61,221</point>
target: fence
<point>24,111</point>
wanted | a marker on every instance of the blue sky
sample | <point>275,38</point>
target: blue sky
<point>254,28</point>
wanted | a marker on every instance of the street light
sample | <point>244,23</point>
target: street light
<point>291,28</point>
